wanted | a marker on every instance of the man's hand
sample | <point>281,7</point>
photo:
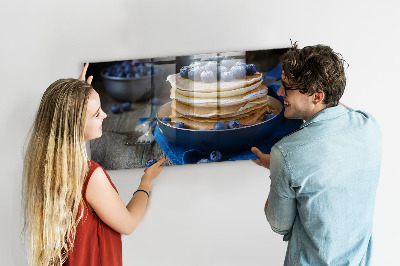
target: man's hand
<point>266,206</point>
<point>264,159</point>
<point>82,77</point>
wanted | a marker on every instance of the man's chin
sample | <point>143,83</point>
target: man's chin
<point>287,115</point>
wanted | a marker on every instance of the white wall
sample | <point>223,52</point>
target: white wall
<point>208,215</point>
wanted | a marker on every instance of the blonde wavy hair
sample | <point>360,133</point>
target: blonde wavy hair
<point>55,167</point>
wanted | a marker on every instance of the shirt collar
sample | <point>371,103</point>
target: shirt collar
<point>326,114</point>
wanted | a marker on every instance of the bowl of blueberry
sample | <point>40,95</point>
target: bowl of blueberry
<point>225,137</point>
<point>132,81</point>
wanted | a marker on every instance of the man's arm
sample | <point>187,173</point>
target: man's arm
<point>264,161</point>
<point>280,208</point>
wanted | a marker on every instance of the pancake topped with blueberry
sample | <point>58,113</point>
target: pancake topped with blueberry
<point>219,89</point>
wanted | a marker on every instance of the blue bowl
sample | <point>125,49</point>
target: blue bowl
<point>228,140</point>
<point>133,89</point>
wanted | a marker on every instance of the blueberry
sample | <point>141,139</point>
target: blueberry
<point>127,69</point>
<point>238,71</point>
<point>129,75</point>
<point>204,161</point>
<point>166,119</point>
<point>234,124</point>
<point>150,162</point>
<point>228,63</point>
<point>184,72</point>
<point>268,116</point>
<point>137,75</point>
<point>118,70</point>
<point>155,101</point>
<point>207,76</point>
<point>250,69</point>
<point>218,58</point>
<point>135,62</point>
<point>214,58</point>
<point>197,64</point>
<point>220,70</point>
<point>108,73</point>
<point>197,73</point>
<point>240,63</point>
<point>191,75</point>
<point>220,126</point>
<point>227,76</point>
<point>121,74</point>
<point>180,125</point>
<point>150,72</point>
<point>115,109</point>
<point>211,66</point>
<point>126,106</point>
<point>215,156</point>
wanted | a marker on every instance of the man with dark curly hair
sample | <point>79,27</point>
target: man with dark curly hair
<point>325,174</point>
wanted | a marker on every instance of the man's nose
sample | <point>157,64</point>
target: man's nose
<point>280,91</point>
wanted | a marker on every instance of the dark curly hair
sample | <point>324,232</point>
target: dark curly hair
<point>316,69</point>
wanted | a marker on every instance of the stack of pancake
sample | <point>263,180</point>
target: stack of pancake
<point>200,105</point>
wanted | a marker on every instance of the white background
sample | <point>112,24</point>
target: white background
<point>208,214</point>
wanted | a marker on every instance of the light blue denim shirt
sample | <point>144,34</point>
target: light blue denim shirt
<point>324,178</point>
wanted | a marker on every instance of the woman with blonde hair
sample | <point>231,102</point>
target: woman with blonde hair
<point>73,213</point>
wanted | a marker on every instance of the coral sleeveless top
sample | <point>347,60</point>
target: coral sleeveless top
<point>95,242</point>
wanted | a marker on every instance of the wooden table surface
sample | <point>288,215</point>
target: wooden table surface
<point>110,150</point>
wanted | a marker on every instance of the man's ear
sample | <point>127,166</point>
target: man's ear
<point>318,97</point>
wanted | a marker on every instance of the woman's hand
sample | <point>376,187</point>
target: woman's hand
<point>264,159</point>
<point>82,77</point>
<point>150,173</point>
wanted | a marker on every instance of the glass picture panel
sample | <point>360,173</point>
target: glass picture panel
<point>200,108</point>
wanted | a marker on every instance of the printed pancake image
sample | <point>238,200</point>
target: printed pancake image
<point>208,92</point>
<point>184,84</point>
<point>218,99</point>
<point>257,116</point>
<point>218,111</point>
